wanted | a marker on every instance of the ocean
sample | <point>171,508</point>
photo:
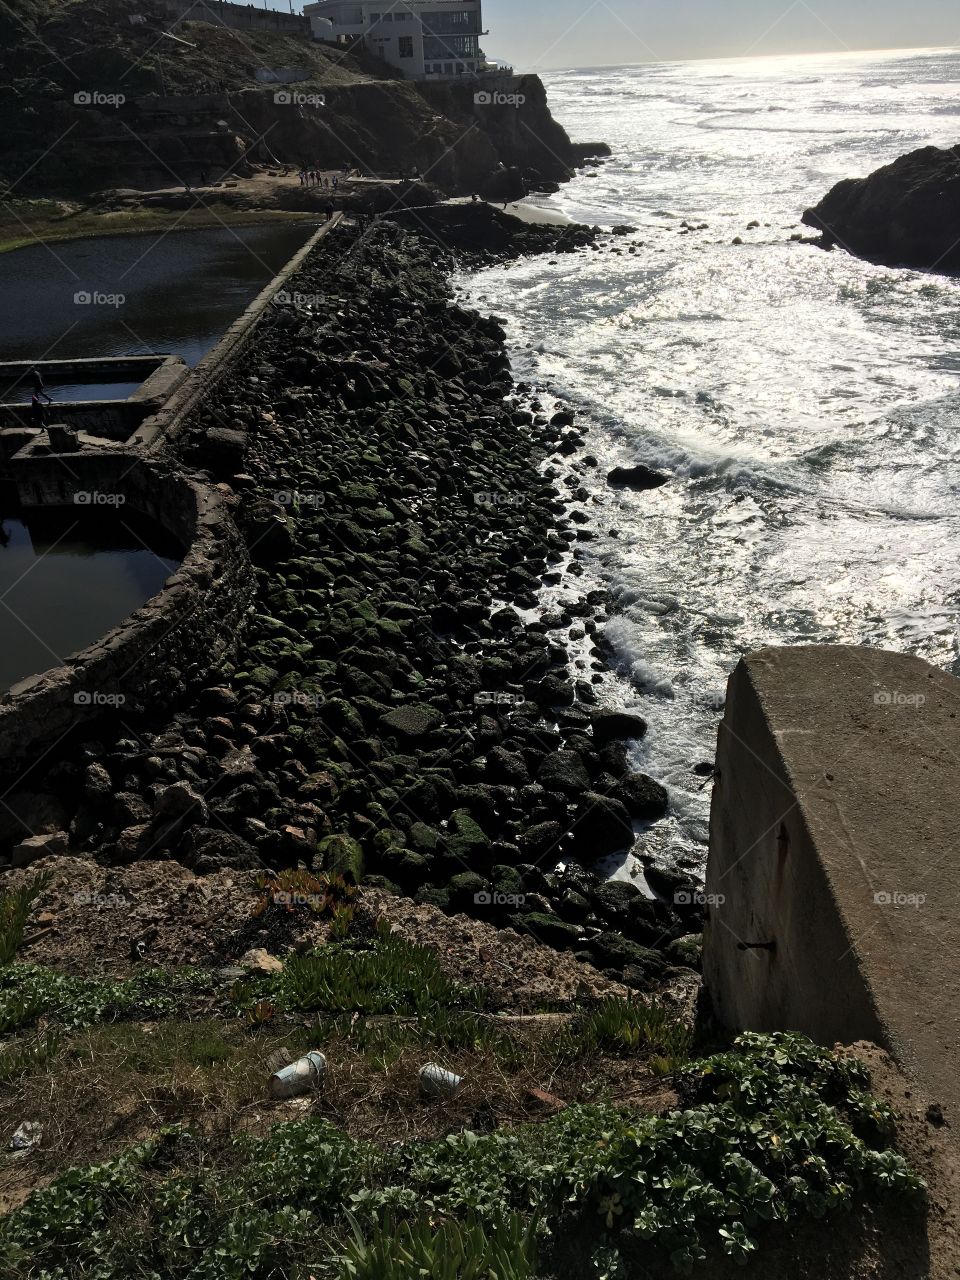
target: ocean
<point>805,405</point>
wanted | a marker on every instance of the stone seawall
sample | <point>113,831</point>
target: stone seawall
<point>833,851</point>
<point>148,658</point>
<point>165,425</point>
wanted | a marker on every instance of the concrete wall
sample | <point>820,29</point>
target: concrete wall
<point>190,624</point>
<point>833,903</point>
<point>110,419</point>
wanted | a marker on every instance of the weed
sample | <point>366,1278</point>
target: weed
<point>387,975</point>
<point>629,1026</point>
<point>28,992</point>
<point>448,1251</point>
<point>294,887</point>
<point>14,909</point>
<point>17,1059</point>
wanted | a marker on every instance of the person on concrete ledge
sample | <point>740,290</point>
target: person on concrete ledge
<point>36,377</point>
<point>37,415</point>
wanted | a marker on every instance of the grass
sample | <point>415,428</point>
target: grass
<point>85,224</point>
<point>385,974</point>
<point>775,1131</point>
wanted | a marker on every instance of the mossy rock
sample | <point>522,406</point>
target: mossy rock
<point>433,896</point>
<point>686,950</point>
<point>465,888</point>
<point>423,837</point>
<point>411,722</point>
<point>340,855</point>
<point>548,929</point>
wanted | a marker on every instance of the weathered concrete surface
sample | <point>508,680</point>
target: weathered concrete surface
<point>835,837</point>
<point>159,375</point>
<point>186,627</point>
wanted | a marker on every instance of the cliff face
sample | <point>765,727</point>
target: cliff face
<point>906,214</point>
<point>156,112</point>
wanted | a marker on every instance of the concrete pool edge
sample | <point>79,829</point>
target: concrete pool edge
<point>192,621</point>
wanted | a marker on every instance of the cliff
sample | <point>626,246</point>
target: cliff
<point>905,214</point>
<point>90,100</point>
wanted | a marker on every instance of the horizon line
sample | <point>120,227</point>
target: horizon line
<point>752,57</point>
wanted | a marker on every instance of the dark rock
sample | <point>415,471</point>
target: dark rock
<point>610,725</point>
<point>410,722</point>
<point>563,771</point>
<point>643,797</point>
<point>180,803</point>
<point>601,826</point>
<point>539,840</point>
<point>906,213</point>
<point>615,951</point>
<point>548,929</point>
<point>639,477</point>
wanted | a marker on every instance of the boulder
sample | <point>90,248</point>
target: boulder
<point>340,855</point>
<point>642,796</point>
<point>905,214</point>
<point>410,722</point>
<point>563,771</point>
<point>639,477</point>
<point>610,725</point>
<point>35,847</point>
<point>601,826</point>
<point>180,803</point>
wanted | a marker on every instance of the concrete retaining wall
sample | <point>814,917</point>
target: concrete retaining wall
<point>833,904</point>
<point>190,624</point>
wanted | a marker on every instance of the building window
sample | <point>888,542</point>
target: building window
<point>406,46</point>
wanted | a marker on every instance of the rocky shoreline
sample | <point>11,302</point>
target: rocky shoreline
<point>397,708</point>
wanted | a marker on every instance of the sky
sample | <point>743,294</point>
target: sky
<point>544,34</point>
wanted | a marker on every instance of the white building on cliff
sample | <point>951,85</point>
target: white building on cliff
<point>425,39</point>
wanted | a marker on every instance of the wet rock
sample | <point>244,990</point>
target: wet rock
<point>601,826</point>
<point>638,477</point>
<point>642,796</point>
<point>609,725</point>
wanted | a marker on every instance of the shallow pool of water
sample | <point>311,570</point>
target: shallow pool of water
<point>69,576</point>
<point>175,291</point>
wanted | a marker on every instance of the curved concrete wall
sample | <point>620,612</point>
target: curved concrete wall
<point>192,621</point>
<point>833,903</point>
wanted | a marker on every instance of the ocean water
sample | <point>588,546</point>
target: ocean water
<point>806,405</point>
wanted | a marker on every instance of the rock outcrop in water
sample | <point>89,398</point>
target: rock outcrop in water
<point>906,214</point>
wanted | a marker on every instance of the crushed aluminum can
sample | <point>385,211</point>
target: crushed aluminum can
<point>437,1082</point>
<point>300,1076</point>
<point>27,1136</point>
